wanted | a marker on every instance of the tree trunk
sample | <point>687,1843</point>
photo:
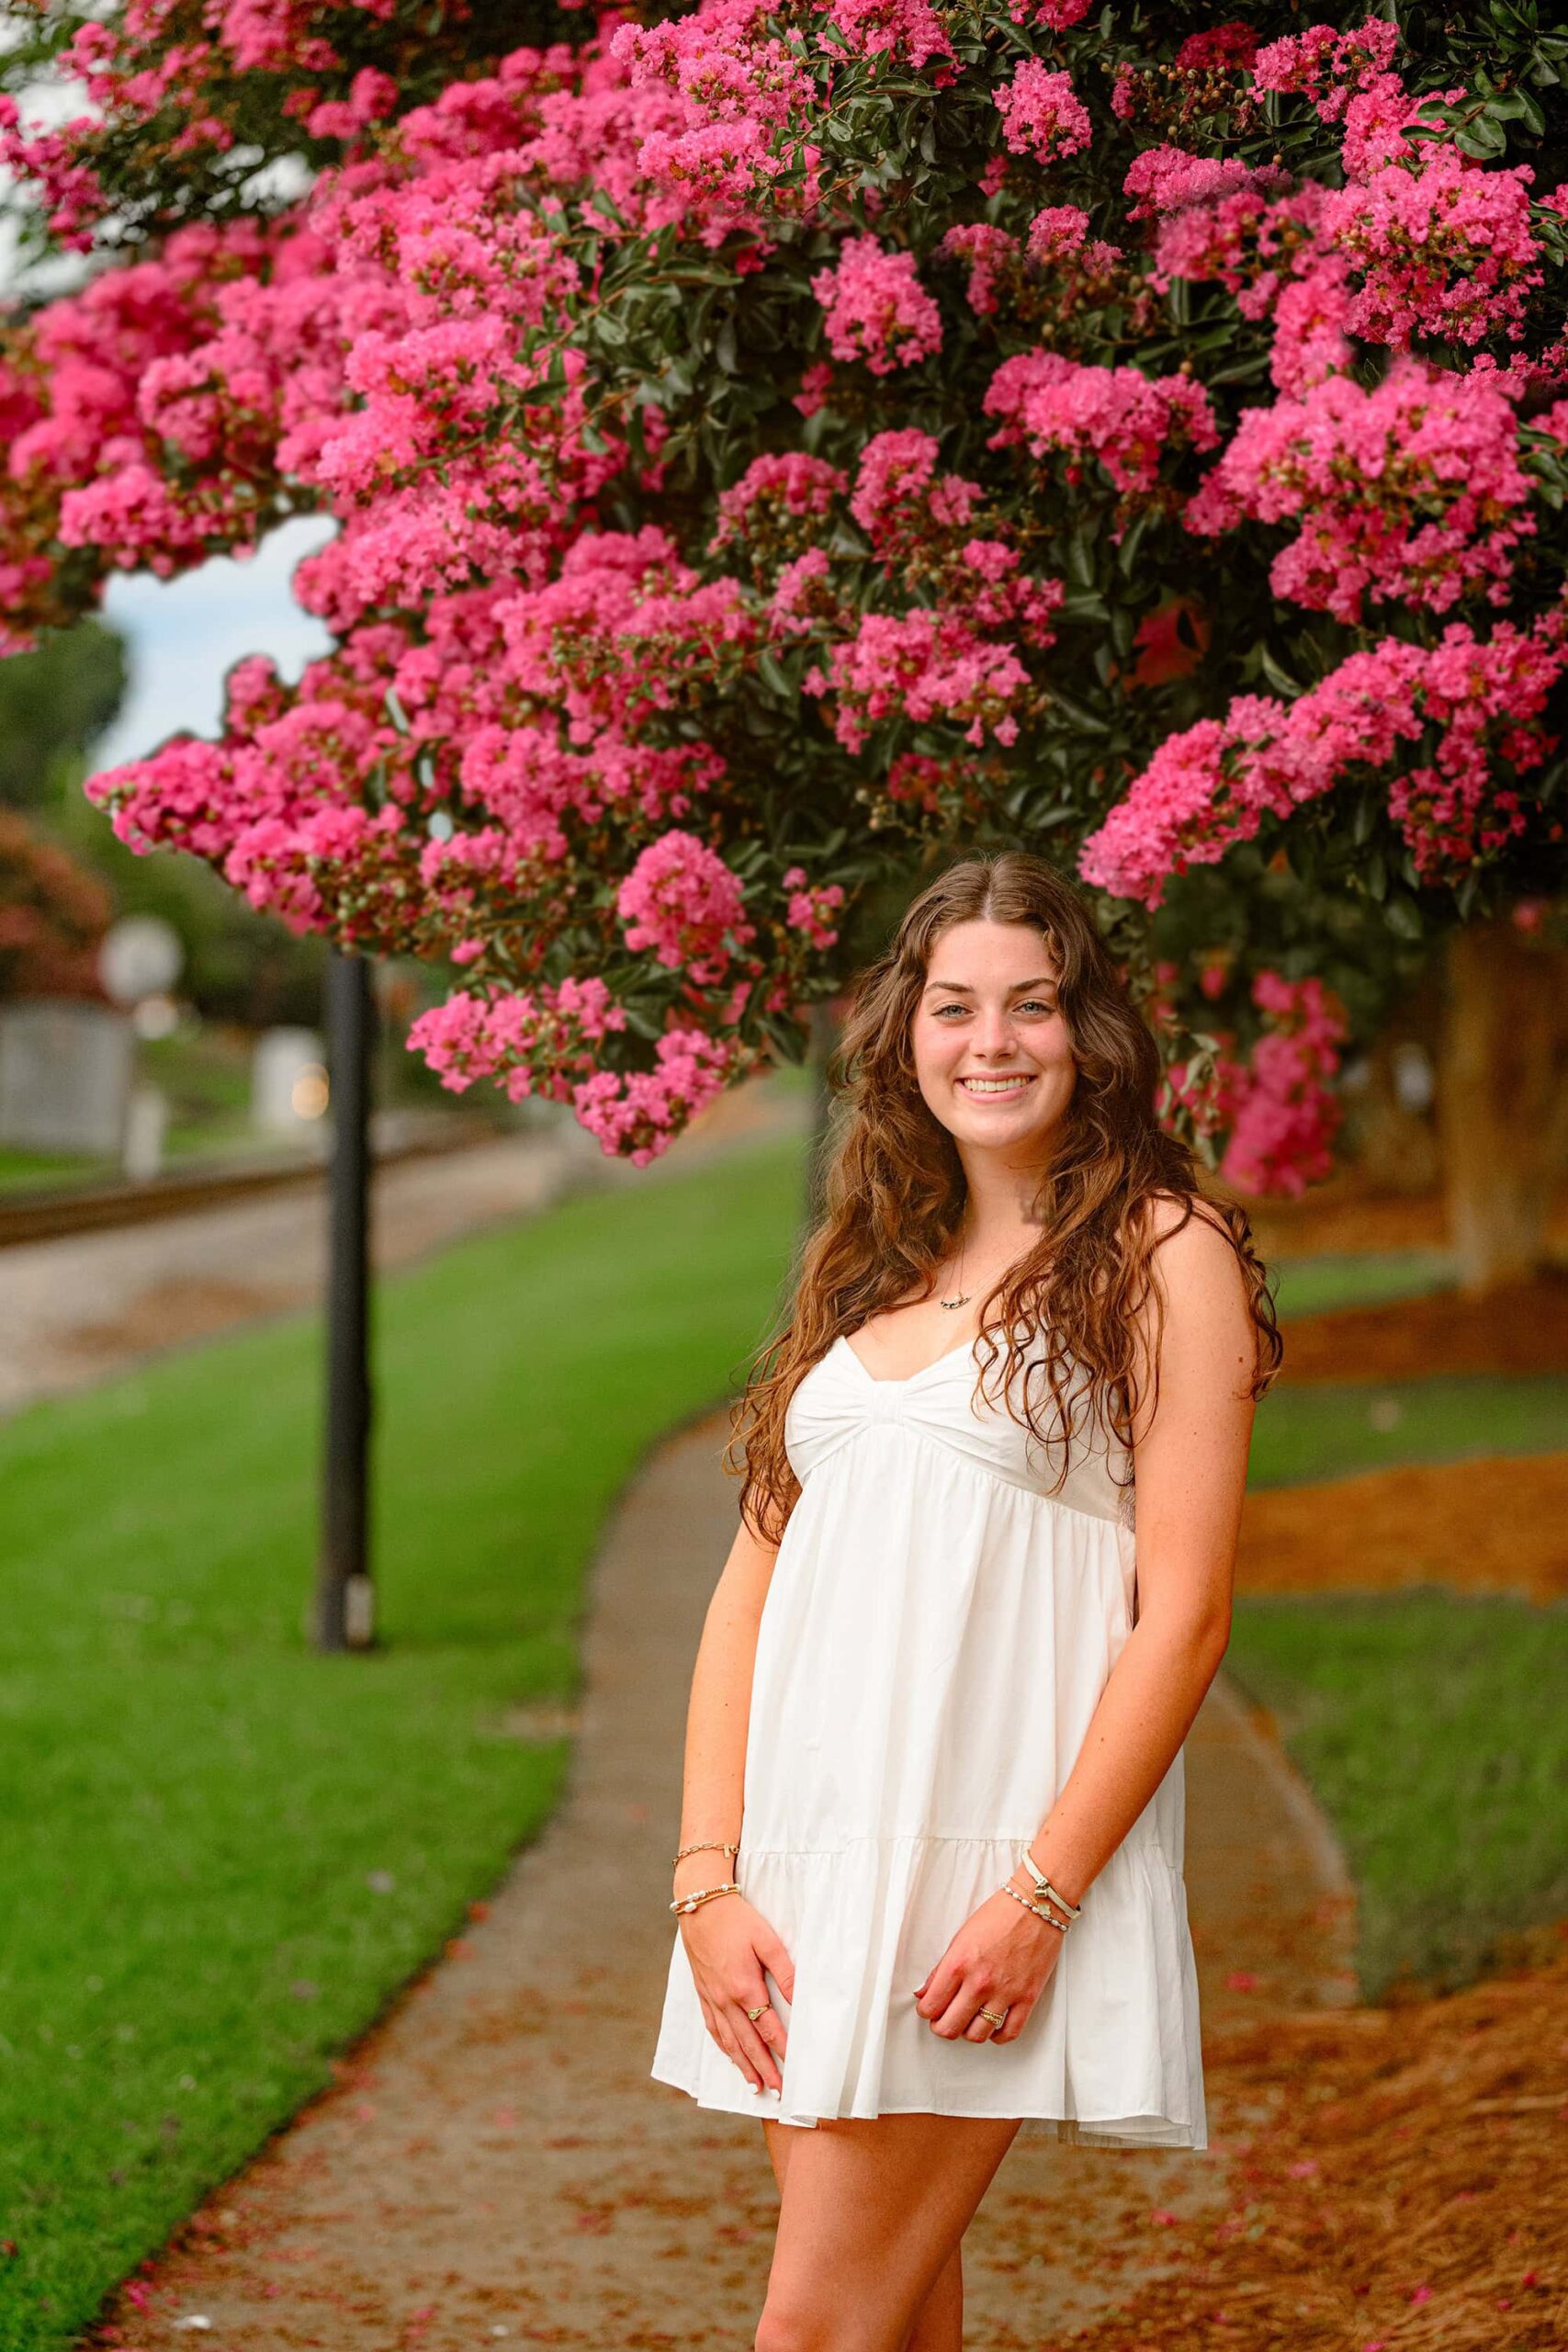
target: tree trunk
<point>1501,1099</point>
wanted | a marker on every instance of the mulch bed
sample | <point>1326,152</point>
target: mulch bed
<point>1399,2183</point>
<point>1492,1525</point>
<point>1521,1330</point>
<point>1344,1216</point>
<point>1402,2184</point>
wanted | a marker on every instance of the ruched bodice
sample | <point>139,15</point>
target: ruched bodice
<point>839,1397</point>
<point>941,1620</point>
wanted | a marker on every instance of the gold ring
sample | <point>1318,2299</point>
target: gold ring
<point>755,2014</point>
<point>994,2018</point>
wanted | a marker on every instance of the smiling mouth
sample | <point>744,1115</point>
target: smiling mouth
<point>992,1089</point>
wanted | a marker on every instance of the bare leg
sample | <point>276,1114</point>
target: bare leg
<point>938,2323</point>
<point>871,2215</point>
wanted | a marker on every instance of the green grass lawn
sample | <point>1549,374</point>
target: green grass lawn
<point>1317,1285</point>
<point>223,1853</point>
<point>1433,1730</point>
<point>1430,1725</point>
<point>26,1171</point>
<point>1332,1431</point>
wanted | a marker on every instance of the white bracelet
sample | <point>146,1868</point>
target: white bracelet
<point>1042,1886</point>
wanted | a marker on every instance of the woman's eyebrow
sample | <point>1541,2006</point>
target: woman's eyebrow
<point>962,988</point>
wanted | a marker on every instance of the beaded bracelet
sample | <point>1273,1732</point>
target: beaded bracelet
<point>1039,1910</point>
<point>705,1895</point>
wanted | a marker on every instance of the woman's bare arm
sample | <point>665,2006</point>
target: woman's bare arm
<point>728,1943</point>
<point>719,1710</point>
<point>1189,1461</point>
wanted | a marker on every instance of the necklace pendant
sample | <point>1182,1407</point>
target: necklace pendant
<point>961,1300</point>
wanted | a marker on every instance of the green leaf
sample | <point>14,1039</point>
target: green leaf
<point>1402,916</point>
<point>1481,139</point>
<point>1280,680</point>
<point>1127,553</point>
<point>1086,721</point>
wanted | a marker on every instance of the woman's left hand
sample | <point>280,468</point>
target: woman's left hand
<point>1001,1959</point>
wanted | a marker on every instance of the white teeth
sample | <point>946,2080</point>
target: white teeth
<point>994,1085</point>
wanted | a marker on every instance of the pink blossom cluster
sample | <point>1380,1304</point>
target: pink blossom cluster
<point>54,163</point>
<point>910,30</point>
<point>505,1037</point>
<point>684,905</point>
<point>1479,700</point>
<point>183,66</point>
<point>722,91</point>
<point>1327,66</point>
<point>1261,238</point>
<point>1274,1105</point>
<point>625,627</point>
<point>1412,491</point>
<point>1165,180</point>
<point>1232,45</point>
<point>927,666</point>
<point>1002,267</point>
<point>993,257</point>
<point>79,454</point>
<point>1444,249</point>
<point>1057,235</point>
<point>955,659</point>
<point>1127,421</point>
<point>1057,16</point>
<point>809,905</point>
<point>635,1115</point>
<point>1041,114</point>
<point>778,504</point>
<point>268,806</point>
<point>1248,240</point>
<point>876,309</point>
<point>904,501</point>
<point>1283,1113</point>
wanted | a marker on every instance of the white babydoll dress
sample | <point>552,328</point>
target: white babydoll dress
<point>936,1636</point>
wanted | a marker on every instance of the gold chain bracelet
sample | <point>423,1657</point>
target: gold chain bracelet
<point>708,1846</point>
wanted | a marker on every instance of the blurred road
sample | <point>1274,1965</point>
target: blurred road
<point>86,1307</point>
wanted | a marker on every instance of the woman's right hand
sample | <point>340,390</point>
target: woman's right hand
<point>728,1945</point>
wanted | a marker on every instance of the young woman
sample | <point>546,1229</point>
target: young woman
<point>930,1852</point>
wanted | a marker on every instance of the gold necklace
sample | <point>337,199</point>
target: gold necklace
<point>963,1296</point>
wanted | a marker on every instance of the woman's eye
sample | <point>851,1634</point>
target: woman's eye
<point>1036,1004</point>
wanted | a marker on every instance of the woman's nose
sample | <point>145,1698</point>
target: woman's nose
<point>993,1032</point>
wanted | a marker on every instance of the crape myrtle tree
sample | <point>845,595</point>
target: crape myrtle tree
<point>771,447</point>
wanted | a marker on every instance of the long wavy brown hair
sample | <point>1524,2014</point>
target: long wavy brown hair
<point>894,1194</point>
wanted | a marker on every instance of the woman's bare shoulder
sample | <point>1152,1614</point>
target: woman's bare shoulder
<point>1192,1247</point>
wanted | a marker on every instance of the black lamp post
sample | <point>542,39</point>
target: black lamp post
<point>344,1617</point>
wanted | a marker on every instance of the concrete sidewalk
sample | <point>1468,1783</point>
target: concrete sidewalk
<point>495,2163</point>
